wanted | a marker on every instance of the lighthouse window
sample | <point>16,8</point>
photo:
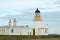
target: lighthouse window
<point>12,30</point>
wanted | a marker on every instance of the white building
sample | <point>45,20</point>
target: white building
<point>25,30</point>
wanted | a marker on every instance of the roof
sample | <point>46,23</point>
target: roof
<point>16,26</point>
<point>37,10</point>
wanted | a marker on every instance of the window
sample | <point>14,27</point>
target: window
<point>12,30</point>
<point>27,26</point>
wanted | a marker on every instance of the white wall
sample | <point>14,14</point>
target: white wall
<point>40,31</point>
<point>19,31</point>
<point>37,24</point>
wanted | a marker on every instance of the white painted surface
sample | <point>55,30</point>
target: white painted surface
<point>16,31</point>
<point>21,31</point>
<point>37,24</point>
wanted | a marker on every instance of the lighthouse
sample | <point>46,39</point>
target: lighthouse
<point>37,19</point>
<point>37,23</point>
<point>38,30</point>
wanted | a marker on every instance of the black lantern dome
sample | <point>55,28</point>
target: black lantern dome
<point>37,11</point>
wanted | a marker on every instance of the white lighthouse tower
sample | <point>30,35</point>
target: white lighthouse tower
<point>38,30</point>
<point>37,22</point>
<point>37,19</point>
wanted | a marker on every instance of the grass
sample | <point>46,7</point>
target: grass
<point>27,36</point>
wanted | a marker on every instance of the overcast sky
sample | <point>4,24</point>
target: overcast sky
<point>23,11</point>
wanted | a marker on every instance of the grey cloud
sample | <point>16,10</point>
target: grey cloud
<point>57,2</point>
